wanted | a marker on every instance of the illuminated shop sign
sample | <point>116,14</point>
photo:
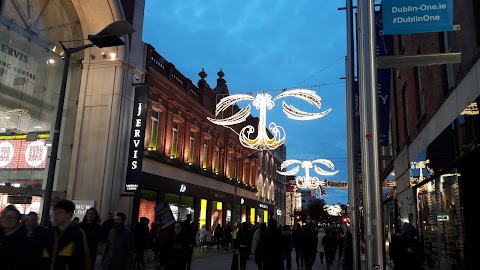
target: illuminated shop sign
<point>264,206</point>
<point>137,138</point>
<point>23,154</point>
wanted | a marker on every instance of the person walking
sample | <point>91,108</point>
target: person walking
<point>177,249</point>
<point>340,239</point>
<point>407,250</point>
<point>190,233</point>
<point>227,236</point>
<point>91,225</point>
<point>201,236</point>
<point>257,245</point>
<point>65,246</point>
<point>12,239</point>
<point>142,237</point>
<point>244,238</point>
<point>348,251</point>
<point>330,245</point>
<point>218,235</point>
<point>107,225</point>
<point>287,246</point>
<point>297,238</point>
<point>209,238</point>
<point>119,251</point>
<point>309,247</point>
<point>273,249</point>
<point>320,247</point>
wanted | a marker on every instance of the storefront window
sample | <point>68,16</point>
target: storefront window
<point>252,215</point>
<point>33,204</point>
<point>244,214</point>
<point>147,205</point>
<point>203,213</point>
<point>441,221</point>
<point>31,67</point>
<point>217,213</point>
<point>229,213</point>
<point>181,205</point>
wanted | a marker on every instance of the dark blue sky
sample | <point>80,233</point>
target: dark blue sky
<point>265,45</point>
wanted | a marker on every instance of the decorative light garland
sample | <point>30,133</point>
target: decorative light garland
<point>333,209</point>
<point>263,102</point>
<point>307,181</point>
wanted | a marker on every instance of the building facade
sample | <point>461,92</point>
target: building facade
<point>435,144</point>
<point>198,167</point>
<point>99,97</point>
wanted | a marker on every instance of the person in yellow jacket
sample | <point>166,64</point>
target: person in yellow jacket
<point>64,246</point>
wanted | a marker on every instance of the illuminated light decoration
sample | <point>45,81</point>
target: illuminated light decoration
<point>263,102</point>
<point>471,109</point>
<point>333,210</point>
<point>14,126</point>
<point>420,165</point>
<point>307,181</point>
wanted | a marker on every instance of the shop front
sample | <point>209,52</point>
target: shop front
<point>31,67</point>
<point>443,178</point>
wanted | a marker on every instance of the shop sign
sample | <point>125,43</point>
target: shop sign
<point>164,215</point>
<point>183,188</point>
<point>137,138</point>
<point>23,154</point>
<point>279,212</point>
<point>443,218</point>
<point>242,201</point>
<point>216,195</point>
<point>19,199</point>
<point>81,208</point>
<point>417,16</point>
<point>15,60</point>
<point>264,206</point>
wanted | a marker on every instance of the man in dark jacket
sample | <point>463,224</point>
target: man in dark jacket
<point>142,236</point>
<point>118,253</point>
<point>64,246</point>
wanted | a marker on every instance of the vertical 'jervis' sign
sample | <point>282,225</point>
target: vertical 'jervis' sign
<point>137,138</point>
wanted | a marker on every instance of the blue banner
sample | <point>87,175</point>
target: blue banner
<point>417,16</point>
<point>384,47</point>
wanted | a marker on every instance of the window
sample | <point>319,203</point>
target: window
<point>174,151</point>
<point>152,144</point>
<point>217,159</point>
<point>205,154</point>
<point>191,149</point>
<point>421,92</point>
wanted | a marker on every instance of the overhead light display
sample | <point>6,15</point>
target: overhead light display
<point>264,102</point>
<point>333,210</point>
<point>307,181</point>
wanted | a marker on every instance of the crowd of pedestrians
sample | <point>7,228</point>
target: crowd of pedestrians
<point>66,244</point>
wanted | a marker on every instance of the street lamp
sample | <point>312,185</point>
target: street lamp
<point>237,161</point>
<point>108,37</point>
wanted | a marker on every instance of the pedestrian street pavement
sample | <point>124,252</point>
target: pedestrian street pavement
<point>220,260</point>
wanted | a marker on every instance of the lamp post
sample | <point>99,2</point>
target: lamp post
<point>237,161</point>
<point>108,37</point>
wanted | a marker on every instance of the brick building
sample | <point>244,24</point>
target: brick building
<point>191,162</point>
<point>435,129</point>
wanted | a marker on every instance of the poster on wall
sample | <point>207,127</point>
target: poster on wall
<point>164,215</point>
<point>216,218</point>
